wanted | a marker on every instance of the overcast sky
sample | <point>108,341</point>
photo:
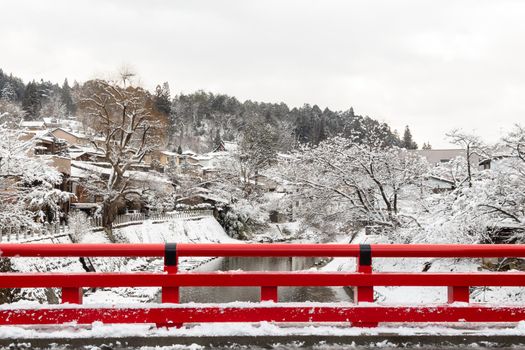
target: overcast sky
<point>432,65</point>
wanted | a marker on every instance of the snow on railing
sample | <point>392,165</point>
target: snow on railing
<point>364,311</point>
<point>26,234</point>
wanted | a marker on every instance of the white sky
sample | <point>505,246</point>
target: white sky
<point>434,65</point>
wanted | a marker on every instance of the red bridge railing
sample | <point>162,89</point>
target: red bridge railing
<point>364,312</point>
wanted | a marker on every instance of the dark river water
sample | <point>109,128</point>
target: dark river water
<point>230,294</point>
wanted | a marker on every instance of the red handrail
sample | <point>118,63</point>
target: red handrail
<point>364,280</point>
<point>264,250</point>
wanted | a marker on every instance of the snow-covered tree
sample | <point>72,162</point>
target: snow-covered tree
<point>129,128</point>
<point>11,113</point>
<point>54,107</point>
<point>475,211</point>
<point>28,192</point>
<point>8,93</point>
<point>359,183</point>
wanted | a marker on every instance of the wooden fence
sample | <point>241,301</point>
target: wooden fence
<point>27,234</point>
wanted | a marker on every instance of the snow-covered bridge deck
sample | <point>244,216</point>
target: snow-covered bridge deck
<point>264,335</point>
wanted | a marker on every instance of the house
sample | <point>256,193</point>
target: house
<point>500,162</point>
<point>71,137</point>
<point>439,184</point>
<point>441,156</point>
<point>86,154</point>
<point>48,144</point>
<point>33,125</point>
<point>81,171</point>
<point>263,181</point>
<point>52,123</point>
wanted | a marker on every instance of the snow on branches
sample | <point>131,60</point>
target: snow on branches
<point>129,128</point>
<point>27,192</point>
<point>359,183</point>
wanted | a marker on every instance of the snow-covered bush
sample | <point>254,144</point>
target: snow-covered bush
<point>79,225</point>
<point>487,209</point>
<point>28,192</point>
<point>243,219</point>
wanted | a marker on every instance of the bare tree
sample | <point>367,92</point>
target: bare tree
<point>129,128</point>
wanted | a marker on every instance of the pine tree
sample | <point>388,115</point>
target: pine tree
<point>163,99</point>
<point>426,146</point>
<point>179,149</point>
<point>408,142</point>
<point>31,101</point>
<point>8,92</point>
<point>67,98</point>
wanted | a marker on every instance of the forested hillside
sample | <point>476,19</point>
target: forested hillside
<point>201,120</point>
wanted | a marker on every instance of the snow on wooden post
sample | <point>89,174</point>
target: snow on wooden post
<point>72,295</point>
<point>458,294</point>
<point>364,293</point>
<point>269,293</point>
<point>364,265</point>
<point>170,294</point>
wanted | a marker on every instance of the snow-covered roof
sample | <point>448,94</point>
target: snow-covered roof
<point>78,173</point>
<point>32,124</point>
<point>189,152</point>
<point>169,153</point>
<point>135,175</point>
<point>72,133</point>
<point>51,120</point>
<point>201,157</point>
<point>441,179</point>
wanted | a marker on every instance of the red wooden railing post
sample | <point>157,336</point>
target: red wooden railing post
<point>269,293</point>
<point>72,295</point>
<point>458,294</point>
<point>364,293</point>
<point>364,265</point>
<point>170,294</point>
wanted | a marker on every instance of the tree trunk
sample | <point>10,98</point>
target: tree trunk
<point>468,167</point>
<point>108,216</point>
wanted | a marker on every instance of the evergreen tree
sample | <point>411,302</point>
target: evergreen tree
<point>408,142</point>
<point>67,98</point>
<point>179,149</point>
<point>163,99</point>
<point>31,101</point>
<point>8,92</point>
<point>426,146</point>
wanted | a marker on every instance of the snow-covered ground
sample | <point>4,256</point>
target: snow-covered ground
<point>425,295</point>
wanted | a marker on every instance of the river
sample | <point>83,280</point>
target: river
<point>230,294</point>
